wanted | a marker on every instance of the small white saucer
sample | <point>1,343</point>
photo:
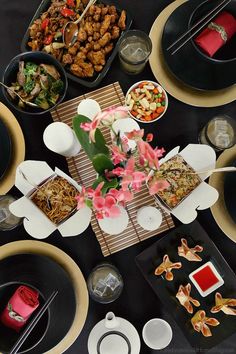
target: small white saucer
<point>123,339</point>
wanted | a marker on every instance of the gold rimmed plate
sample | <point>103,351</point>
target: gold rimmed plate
<point>17,146</point>
<point>172,85</point>
<point>76,277</point>
<point>219,209</point>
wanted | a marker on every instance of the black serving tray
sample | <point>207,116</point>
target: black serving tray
<point>149,259</point>
<point>97,78</point>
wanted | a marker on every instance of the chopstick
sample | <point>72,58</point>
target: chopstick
<point>212,13</point>
<point>32,324</point>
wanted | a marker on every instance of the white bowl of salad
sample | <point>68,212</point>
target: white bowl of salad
<point>147,101</point>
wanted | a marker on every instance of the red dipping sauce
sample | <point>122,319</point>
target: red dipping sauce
<point>205,278</point>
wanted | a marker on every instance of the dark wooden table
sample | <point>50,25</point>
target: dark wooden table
<point>180,126</point>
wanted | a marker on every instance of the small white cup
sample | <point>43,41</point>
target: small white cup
<point>88,108</point>
<point>149,218</point>
<point>157,334</point>
<point>60,138</point>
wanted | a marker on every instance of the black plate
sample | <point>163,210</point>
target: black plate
<point>148,260</point>
<point>5,148</point>
<point>45,275</point>
<point>230,193</point>
<point>188,64</point>
<point>88,82</point>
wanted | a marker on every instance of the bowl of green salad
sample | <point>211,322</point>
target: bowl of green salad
<point>38,78</point>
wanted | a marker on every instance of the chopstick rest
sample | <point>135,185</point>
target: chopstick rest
<point>19,308</point>
<point>217,33</point>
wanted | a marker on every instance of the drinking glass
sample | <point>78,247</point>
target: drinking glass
<point>8,221</point>
<point>219,133</point>
<point>135,48</point>
<point>105,283</point>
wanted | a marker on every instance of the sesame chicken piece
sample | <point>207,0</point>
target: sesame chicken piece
<point>122,19</point>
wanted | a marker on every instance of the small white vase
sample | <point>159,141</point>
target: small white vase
<point>115,226</point>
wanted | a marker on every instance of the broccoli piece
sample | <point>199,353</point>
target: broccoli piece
<point>28,86</point>
<point>57,86</point>
<point>41,100</point>
<point>53,98</point>
<point>30,68</point>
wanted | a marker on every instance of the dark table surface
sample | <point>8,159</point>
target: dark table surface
<point>180,126</point>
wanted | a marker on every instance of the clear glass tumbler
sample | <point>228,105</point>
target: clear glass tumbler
<point>135,47</point>
<point>219,133</point>
<point>105,283</point>
<point>8,221</point>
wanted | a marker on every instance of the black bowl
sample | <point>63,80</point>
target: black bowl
<point>11,70</point>
<point>189,65</point>
<point>227,53</point>
<point>8,336</point>
<point>46,275</point>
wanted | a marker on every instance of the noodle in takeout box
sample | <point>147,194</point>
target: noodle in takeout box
<point>201,158</point>
<point>36,222</point>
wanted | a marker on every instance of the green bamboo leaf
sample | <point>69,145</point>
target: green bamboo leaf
<point>107,184</point>
<point>90,148</point>
<point>102,162</point>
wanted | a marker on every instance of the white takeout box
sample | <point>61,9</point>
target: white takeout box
<point>200,158</point>
<point>36,223</point>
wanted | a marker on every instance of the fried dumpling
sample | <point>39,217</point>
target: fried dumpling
<point>224,305</point>
<point>167,266</point>
<point>183,295</point>
<point>201,323</point>
<point>189,253</point>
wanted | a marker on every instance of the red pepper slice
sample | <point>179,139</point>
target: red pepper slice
<point>67,12</point>
<point>45,23</point>
<point>48,39</point>
<point>70,3</point>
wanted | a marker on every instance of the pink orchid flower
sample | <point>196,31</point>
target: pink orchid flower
<point>81,199</point>
<point>130,177</point>
<point>147,154</point>
<point>106,206</point>
<point>157,185</point>
<point>117,155</point>
<point>111,114</point>
<point>91,128</point>
<point>97,192</point>
<point>135,134</point>
<point>149,137</point>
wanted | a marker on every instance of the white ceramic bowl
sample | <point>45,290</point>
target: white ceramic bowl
<point>158,87</point>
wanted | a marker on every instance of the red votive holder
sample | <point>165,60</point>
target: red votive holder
<point>19,308</point>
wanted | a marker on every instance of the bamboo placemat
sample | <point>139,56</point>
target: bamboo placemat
<point>82,171</point>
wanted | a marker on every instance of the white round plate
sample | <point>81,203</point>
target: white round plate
<point>125,328</point>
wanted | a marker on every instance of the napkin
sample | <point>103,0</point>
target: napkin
<point>19,308</point>
<point>218,32</point>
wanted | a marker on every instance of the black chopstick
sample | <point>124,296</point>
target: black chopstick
<point>32,324</point>
<point>203,23</point>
